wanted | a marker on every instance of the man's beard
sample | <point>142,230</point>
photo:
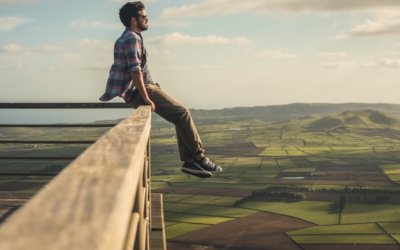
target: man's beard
<point>143,27</point>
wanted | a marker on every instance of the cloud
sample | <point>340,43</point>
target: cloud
<point>340,64</point>
<point>178,38</point>
<point>385,13</point>
<point>86,24</point>
<point>380,63</point>
<point>96,24</point>
<point>81,45</point>
<point>197,67</point>
<point>275,54</point>
<point>385,22</point>
<point>8,23</point>
<point>13,49</point>
<point>95,44</point>
<point>332,54</point>
<point>229,7</point>
<point>384,62</point>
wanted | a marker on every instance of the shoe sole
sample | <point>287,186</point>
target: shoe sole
<point>200,174</point>
<point>219,170</point>
<point>216,172</point>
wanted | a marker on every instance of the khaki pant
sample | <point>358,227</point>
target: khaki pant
<point>189,142</point>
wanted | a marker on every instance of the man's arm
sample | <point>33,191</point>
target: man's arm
<point>137,78</point>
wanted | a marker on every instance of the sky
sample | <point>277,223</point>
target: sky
<point>207,54</point>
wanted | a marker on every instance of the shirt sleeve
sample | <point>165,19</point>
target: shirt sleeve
<point>132,53</point>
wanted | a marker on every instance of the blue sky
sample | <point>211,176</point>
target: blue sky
<point>207,53</point>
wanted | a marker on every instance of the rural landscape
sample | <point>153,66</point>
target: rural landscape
<point>298,176</point>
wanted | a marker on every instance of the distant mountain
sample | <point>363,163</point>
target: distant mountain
<point>358,118</point>
<point>291,111</point>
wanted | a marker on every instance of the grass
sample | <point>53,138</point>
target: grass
<point>312,211</point>
<point>392,171</point>
<point>357,229</point>
<point>179,207</point>
<point>391,227</point>
<point>195,218</point>
<point>364,213</point>
<point>178,229</point>
<point>224,211</point>
<point>283,147</point>
<point>343,239</point>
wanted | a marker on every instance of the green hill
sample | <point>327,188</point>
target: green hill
<point>371,119</point>
<point>292,111</point>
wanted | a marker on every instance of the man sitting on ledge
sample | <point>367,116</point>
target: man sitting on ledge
<point>130,79</point>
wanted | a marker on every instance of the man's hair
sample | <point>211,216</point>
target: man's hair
<point>130,10</point>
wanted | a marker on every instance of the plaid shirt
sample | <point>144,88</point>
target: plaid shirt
<point>129,56</point>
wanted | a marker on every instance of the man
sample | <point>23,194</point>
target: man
<point>130,79</point>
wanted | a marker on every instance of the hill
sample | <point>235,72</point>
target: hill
<point>287,112</point>
<point>372,119</point>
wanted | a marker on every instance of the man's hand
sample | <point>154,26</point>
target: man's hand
<point>137,78</point>
<point>151,103</point>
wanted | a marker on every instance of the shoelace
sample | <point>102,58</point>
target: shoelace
<point>209,164</point>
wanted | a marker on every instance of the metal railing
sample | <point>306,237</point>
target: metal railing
<point>102,200</point>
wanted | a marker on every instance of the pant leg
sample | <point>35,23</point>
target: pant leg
<point>189,142</point>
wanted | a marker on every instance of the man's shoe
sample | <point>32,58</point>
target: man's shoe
<point>209,166</point>
<point>195,169</point>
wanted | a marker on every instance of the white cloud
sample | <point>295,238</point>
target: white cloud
<point>178,38</point>
<point>86,24</point>
<point>8,23</point>
<point>227,7</point>
<point>332,54</point>
<point>385,13</point>
<point>385,22</point>
<point>339,64</point>
<point>95,44</point>
<point>13,49</point>
<point>197,67</point>
<point>381,63</point>
<point>275,54</point>
<point>96,24</point>
<point>384,62</point>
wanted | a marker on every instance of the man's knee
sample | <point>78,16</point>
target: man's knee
<point>183,115</point>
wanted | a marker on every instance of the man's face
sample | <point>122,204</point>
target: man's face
<point>142,21</point>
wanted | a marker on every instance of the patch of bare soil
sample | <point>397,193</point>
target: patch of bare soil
<point>258,231</point>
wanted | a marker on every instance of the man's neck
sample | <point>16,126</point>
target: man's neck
<point>136,29</point>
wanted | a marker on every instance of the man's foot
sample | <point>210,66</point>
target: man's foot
<point>209,166</point>
<point>195,169</point>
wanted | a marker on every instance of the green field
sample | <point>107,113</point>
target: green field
<point>281,151</point>
<point>309,155</point>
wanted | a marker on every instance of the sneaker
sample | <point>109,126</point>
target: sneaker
<point>209,166</point>
<point>195,169</point>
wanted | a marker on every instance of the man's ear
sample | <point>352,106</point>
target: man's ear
<point>133,21</point>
